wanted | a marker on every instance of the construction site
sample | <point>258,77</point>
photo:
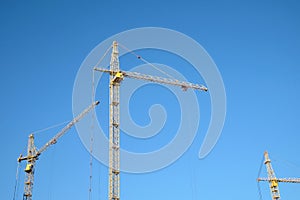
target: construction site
<point>130,100</point>
<point>116,76</point>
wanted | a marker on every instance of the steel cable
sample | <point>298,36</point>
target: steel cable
<point>258,185</point>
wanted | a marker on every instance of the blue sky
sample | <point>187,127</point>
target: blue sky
<point>255,45</point>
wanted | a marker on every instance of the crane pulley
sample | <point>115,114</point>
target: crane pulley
<point>33,153</point>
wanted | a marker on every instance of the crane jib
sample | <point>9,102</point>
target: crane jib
<point>33,154</point>
<point>135,75</point>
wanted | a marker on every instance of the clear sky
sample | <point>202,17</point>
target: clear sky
<point>255,45</point>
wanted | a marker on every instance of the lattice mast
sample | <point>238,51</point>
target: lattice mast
<point>114,128</point>
<point>31,158</point>
<point>273,183</point>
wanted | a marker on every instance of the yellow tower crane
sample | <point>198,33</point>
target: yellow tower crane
<point>273,181</point>
<point>116,77</point>
<point>33,153</point>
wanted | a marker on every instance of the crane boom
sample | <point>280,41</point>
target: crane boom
<point>67,127</point>
<point>285,180</point>
<point>33,154</point>
<point>156,79</point>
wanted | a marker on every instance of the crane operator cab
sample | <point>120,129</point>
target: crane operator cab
<point>28,168</point>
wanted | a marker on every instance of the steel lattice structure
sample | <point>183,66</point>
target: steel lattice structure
<point>273,181</point>
<point>116,77</point>
<point>33,154</point>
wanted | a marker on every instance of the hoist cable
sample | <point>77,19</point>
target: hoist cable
<point>101,59</point>
<point>92,123</point>
<point>193,182</point>
<point>286,163</point>
<point>258,185</point>
<point>51,127</point>
<point>17,182</point>
<point>145,61</point>
<point>92,138</point>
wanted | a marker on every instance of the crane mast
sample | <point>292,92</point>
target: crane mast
<point>114,128</point>
<point>33,154</point>
<point>273,181</point>
<point>31,159</point>
<point>116,77</point>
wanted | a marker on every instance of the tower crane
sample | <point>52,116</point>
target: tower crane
<point>273,181</point>
<point>33,153</point>
<point>116,77</point>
